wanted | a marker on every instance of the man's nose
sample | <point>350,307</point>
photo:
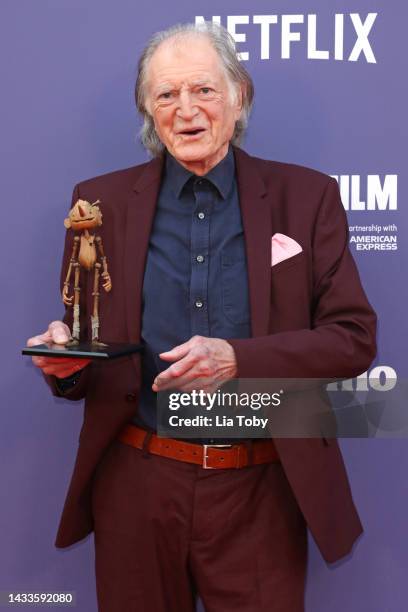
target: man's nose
<point>187,108</point>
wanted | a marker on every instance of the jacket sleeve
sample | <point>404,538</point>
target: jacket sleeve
<point>77,390</point>
<point>341,341</point>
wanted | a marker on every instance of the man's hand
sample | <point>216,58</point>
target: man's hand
<point>57,333</point>
<point>200,363</point>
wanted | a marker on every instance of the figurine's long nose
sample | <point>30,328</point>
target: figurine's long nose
<point>81,210</point>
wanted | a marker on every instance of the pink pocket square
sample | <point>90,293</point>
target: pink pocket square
<point>283,247</point>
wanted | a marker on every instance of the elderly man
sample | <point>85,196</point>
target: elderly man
<point>196,278</point>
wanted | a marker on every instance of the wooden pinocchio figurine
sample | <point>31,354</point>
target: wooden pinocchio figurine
<point>87,247</point>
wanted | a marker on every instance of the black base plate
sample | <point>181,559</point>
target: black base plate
<point>84,350</point>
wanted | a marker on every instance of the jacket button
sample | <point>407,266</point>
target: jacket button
<point>130,397</point>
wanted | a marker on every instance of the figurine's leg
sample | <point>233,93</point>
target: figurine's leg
<point>95,315</point>
<point>75,325</point>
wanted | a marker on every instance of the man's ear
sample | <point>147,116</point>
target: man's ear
<point>239,101</point>
<point>67,223</point>
<point>147,106</point>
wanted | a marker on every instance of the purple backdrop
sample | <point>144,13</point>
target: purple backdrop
<point>67,75</point>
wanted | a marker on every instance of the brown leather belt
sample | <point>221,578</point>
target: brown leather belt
<point>209,456</point>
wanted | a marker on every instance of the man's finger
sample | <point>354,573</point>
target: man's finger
<point>40,339</point>
<point>60,333</point>
<point>177,370</point>
<point>179,351</point>
<point>168,380</point>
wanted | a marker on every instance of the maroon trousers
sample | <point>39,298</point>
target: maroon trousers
<point>165,530</point>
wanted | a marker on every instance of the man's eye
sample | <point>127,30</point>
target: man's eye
<point>205,90</point>
<point>165,95</point>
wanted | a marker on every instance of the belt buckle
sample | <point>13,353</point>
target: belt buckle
<point>205,455</point>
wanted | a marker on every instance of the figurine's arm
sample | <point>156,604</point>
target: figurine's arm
<point>107,285</point>
<point>72,263</point>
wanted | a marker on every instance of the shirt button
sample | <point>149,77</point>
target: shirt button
<point>199,304</point>
<point>200,258</point>
<point>201,215</point>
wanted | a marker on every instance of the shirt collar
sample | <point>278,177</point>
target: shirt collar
<point>221,176</point>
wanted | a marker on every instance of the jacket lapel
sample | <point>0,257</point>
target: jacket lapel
<point>140,215</point>
<point>256,219</point>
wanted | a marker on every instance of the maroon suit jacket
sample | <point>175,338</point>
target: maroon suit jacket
<point>309,316</point>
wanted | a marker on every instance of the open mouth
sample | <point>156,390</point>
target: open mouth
<point>192,132</point>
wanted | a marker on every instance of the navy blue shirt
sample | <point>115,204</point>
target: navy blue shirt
<point>195,280</point>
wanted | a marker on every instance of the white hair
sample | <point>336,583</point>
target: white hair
<point>236,75</point>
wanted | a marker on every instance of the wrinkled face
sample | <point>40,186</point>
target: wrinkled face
<point>193,107</point>
<point>83,215</point>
